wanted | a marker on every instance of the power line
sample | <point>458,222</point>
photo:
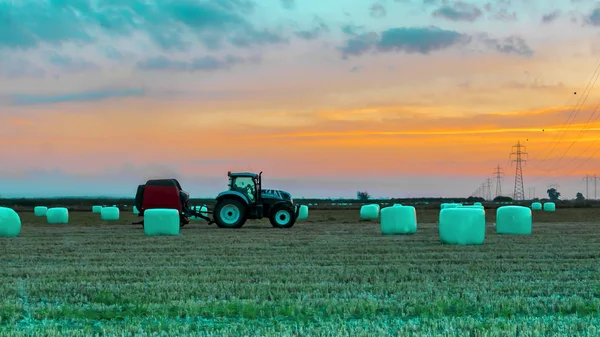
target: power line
<point>581,132</point>
<point>579,104</point>
<point>519,190</point>
<point>595,187</point>
<point>587,179</point>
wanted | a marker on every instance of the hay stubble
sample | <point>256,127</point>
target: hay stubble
<point>332,276</point>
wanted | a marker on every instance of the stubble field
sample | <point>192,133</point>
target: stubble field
<point>330,276</point>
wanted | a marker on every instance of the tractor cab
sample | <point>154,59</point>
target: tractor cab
<point>246,183</point>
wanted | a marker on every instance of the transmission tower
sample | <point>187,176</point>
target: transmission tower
<point>488,186</point>
<point>518,151</point>
<point>499,174</point>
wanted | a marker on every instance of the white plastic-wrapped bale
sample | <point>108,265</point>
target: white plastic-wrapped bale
<point>96,209</point>
<point>397,205</point>
<point>398,220</point>
<point>161,222</point>
<point>462,226</point>
<point>135,210</point>
<point>549,207</point>
<point>303,212</point>
<point>57,216</point>
<point>536,206</point>
<point>10,223</point>
<point>40,210</point>
<point>450,205</point>
<point>513,220</point>
<point>368,212</point>
<point>109,214</point>
<point>473,206</point>
<point>477,204</point>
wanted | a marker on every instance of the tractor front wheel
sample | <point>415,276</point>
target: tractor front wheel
<point>282,216</point>
<point>230,213</point>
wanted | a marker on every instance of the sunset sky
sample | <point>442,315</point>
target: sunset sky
<point>395,97</point>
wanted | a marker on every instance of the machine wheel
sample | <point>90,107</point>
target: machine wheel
<point>230,213</point>
<point>282,216</point>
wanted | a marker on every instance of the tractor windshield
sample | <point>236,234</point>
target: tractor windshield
<point>244,185</point>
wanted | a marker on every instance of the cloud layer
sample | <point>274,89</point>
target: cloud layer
<point>326,97</point>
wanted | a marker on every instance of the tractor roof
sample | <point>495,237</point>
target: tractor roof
<point>242,174</point>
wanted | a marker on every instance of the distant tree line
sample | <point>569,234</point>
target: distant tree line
<point>85,204</point>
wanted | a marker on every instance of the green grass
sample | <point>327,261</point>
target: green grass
<point>332,276</point>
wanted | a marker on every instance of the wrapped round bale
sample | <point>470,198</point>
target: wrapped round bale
<point>398,220</point>
<point>369,212</point>
<point>135,210</point>
<point>10,223</point>
<point>477,204</point>
<point>473,206</point>
<point>57,215</point>
<point>40,210</point>
<point>513,220</point>
<point>109,213</point>
<point>96,209</point>
<point>549,207</point>
<point>462,226</point>
<point>303,213</point>
<point>450,205</point>
<point>161,222</point>
<point>536,206</point>
<point>397,205</point>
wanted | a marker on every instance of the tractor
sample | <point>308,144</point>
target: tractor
<point>245,199</point>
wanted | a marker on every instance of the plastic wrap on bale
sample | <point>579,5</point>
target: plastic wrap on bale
<point>96,209</point>
<point>57,216</point>
<point>109,214</point>
<point>462,226</point>
<point>398,220</point>
<point>161,222</point>
<point>369,212</point>
<point>303,213</point>
<point>536,206</point>
<point>549,207</point>
<point>40,210</point>
<point>513,220</point>
<point>10,223</point>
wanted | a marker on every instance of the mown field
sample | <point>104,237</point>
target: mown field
<point>330,276</point>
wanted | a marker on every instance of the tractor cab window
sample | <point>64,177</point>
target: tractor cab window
<point>246,186</point>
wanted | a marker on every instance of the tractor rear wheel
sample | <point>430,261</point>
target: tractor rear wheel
<point>282,216</point>
<point>230,213</point>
